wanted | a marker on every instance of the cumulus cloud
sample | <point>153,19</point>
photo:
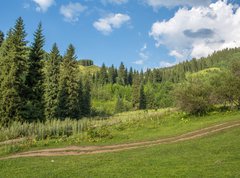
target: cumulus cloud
<point>172,3</point>
<point>72,11</point>
<point>199,31</point>
<point>163,64</point>
<point>26,5</point>
<point>176,54</point>
<point>118,2</point>
<point>43,5</point>
<point>110,22</point>
<point>143,55</point>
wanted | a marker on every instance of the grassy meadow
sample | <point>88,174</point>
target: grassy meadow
<point>121,128</point>
<point>214,156</point>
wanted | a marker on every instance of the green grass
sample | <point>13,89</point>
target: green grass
<point>127,127</point>
<point>89,69</point>
<point>213,156</point>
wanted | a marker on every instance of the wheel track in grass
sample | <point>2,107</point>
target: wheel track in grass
<point>86,150</point>
<point>8,142</point>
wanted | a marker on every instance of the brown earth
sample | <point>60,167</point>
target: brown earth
<point>85,150</point>
<point>8,142</point>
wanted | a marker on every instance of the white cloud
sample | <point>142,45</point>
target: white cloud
<point>144,47</point>
<point>26,5</point>
<point>118,2</point>
<point>143,55</point>
<point>166,64</point>
<point>72,11</point>
<point>199,31</point>
<point>43,5</point>
<point>139,62</point>
<point>172,3</point>
<point>176,54</point>
<point>110,22</point>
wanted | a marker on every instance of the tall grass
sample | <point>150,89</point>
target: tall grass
<point>39,130</point>
<point>61,128</point>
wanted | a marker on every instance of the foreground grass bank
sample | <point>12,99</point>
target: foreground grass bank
<point>123,128</point>
<point>215,156</point>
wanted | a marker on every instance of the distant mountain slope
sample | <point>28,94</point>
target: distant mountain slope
<point>176,73</point>
<point>89,69</point>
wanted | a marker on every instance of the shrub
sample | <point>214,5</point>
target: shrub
<point>194,95</point>
<point>99,132</point>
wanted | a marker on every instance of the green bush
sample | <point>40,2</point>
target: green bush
<point>99,132</point>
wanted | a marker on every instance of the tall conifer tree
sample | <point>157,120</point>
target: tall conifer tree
<point>142,98</point>
<point>14,69</point>
<point>111,75</point>
<point>121,74</point>
<point>103,78</point>
<point>1,38</point>
<point>86,98</point>
<point>51,82</point>
<point>135,93</point>
<point>69,104</point>
<point>34,80</point>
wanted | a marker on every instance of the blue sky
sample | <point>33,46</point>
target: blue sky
<point>141,33</point>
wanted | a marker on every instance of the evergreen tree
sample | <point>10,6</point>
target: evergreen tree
<point>121,74</point>
<point>142,98</point>
<point>119,105</point>
<point>142,76</point>
<point>111,75</point>
<point>34,80</point>
<point>14,68</point>
<point>69,104</point>
<point>115,75</point>
<point>1,38</point>
<point>86,99</point>
<point>126,77</point>
<point>130,76</point>
<point>51,82</point>
<point>103,78</point>
<point>135,93</point>
<point>80,98</point>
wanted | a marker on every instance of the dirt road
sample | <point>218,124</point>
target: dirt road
<point>84,150</point>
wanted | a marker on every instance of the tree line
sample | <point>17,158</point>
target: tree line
<point>159,85</point>
<point>174,74</point>
<point>36,85</point>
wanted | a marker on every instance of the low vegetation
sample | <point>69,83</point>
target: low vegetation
<point>121,128</point>
<point>214,156</point>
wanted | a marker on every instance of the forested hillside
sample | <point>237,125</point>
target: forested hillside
<point>39,85</point>
<point>121,85</point>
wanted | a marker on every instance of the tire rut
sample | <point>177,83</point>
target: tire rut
<point>85,150</point>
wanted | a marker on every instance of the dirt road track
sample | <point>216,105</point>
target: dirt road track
<point>8,142</point>
<point>85,150</point>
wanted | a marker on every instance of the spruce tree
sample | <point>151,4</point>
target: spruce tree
<point>126,77</point>
<point>34,80</point>
<point>135,91</point>
<point>130,76</point>
<point>86,98</point>
<point>142,98</point>
<point>103,75</point>
<point>14,68</point>
<point>119,107</point>
<point>111,75</point>
<point>51,81</point>
<point>1,38</point>
<point>121,74</point>
<point>69,104</point>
